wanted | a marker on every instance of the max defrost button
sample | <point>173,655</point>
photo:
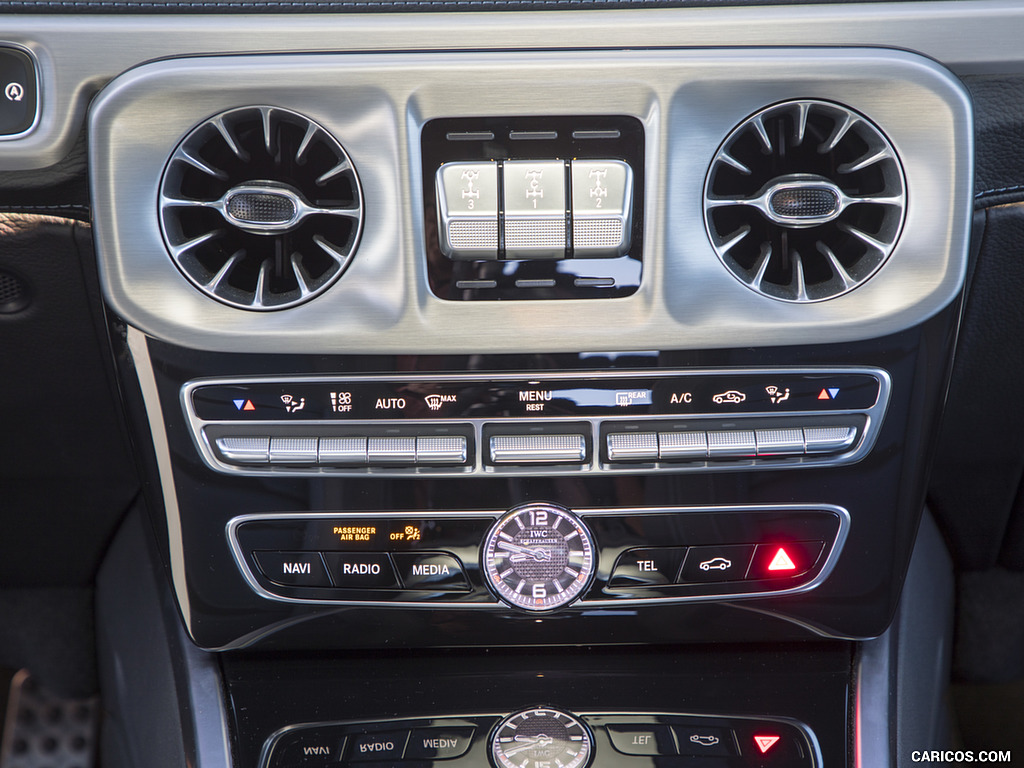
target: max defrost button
<point>647,567</point>
<point>716,563</point>
<point>430,570</point>
<point>642,740</point>
<point>438,743</point>
<point>378,746</point>
<point>361,570</point>
<point>293,569</point>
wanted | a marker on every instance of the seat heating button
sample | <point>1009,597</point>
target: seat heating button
<point>773,561</point>
<point>779,442</point>
<point>430,570</point>
<point>438,743</point>
<point>361,570</point>
<point>293,569</point>
<point>378,746</point>
<point>829,439</point>
<point>697,740</point>
<point>716,563</point>
<point>647,567</point>
<point>642,740</point>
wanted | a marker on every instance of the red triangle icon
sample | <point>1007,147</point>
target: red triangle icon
<point>823,395</point>
<point>248,406</point>
<point>764,743</point>
<point>782,562</point>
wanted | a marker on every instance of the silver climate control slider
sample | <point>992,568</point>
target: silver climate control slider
<point>534,209</point>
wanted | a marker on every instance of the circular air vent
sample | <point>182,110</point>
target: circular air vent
<point>804,201</point>
<point>261,208</point>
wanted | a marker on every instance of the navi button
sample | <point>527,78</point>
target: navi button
<point>293,569</point>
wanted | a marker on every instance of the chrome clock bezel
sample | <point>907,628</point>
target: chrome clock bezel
<point>532,594</point>
<point>581,759</point>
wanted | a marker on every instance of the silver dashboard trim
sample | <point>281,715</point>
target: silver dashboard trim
<point>874,417</point>
<point>375,104</point>
<point>231,531</point>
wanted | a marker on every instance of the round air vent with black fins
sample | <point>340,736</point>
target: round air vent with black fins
<point>261,208</point>
<point>804,201</point>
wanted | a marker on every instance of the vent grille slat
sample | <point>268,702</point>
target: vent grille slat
<point>805,201</point>
<point>261,208</point>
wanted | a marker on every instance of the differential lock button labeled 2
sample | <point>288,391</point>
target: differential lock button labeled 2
<point>602,208</point>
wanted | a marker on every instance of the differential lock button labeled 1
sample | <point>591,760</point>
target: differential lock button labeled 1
<point>467,210</point>
<point>535,209</point>
<point>602,208</point>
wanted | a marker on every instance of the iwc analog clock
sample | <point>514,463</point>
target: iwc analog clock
<point>541,738</point>
<point>539,557</point>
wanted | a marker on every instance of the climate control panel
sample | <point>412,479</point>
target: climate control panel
<point>554,424</point>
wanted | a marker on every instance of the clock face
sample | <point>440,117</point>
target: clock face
<point>541,738</point>
<point>539,557</point>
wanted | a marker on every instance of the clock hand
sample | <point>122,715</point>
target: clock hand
<point>537,553</point>
<point>543,740</point>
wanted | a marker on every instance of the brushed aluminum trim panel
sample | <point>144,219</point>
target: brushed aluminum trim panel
<point>688,100</point>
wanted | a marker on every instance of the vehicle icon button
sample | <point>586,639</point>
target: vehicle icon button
<point>716,563</point>
<point>711,740</point>
<point>729,396</point>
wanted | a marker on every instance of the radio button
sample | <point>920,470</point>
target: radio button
<point>441,450</point>
<point>732,444</point>
<point>602,208</point>
<point>467,201</point>
<point>538,449</point>
<point>391,450</point>
<point>244,450</point>
<point>682,446</point>
<point>647,567</point>
<point>377,746</point>
<point>293,569</point>
<point>632,446</point>
<point>430,571</point>
<point>535,209</point>
<point>293,450</point>
<point>342,450</point>
<point>361,570</point>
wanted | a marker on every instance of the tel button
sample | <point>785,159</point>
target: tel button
<point>647,567</point>
<point>361,570</point>
<point>430,570</point>
<point>378,746</point>
<point>642,740</point>
<point>293,569</point>
<point>438,743</point>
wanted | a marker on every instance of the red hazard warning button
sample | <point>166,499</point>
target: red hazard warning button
<point>773,561</point>
<point>765,742</point>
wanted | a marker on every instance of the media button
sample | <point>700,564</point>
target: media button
<point>430,571</point>
<point>361,570</point>
<point>439,743</point>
